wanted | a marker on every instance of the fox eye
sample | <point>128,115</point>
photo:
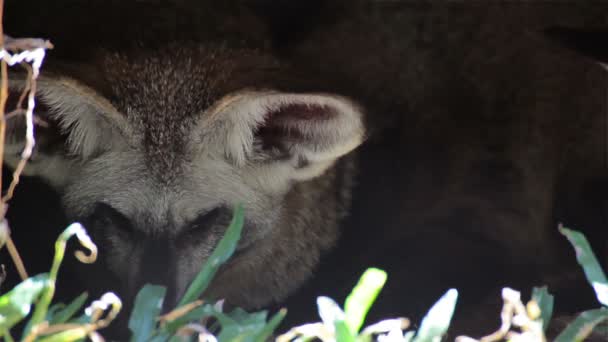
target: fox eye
<point>206,219</point>
<point>106,216</point>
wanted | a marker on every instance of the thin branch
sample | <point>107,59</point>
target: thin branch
<point>10,246</point>
<point>3,94</point>
<point>12,250</point>
<point>26,50</point>
<point>36,57</point>
<point>28,85</point>
<point>21,44</point>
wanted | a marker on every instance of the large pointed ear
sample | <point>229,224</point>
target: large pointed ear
<point>304,133</point>
<point>72,123</point>
<point>592,43</point>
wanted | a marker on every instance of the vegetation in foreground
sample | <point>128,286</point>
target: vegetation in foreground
<point>196,319</point>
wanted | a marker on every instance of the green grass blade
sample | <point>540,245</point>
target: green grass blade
<point>437,320</point>
<point>545,301</point>
<point>222,252</point>
<point>53,310</point>
<point>271,326</point>
<point>362,297</point>
<point>583,325</point>
<point>586,258</point>
<point>70,335</point>
<point>17,303</point>
<point>65,314</point>
<point>148,303</point>
<point>343,333</point>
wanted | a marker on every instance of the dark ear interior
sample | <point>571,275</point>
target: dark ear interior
<point>592,43</point>
<point>290,124</point>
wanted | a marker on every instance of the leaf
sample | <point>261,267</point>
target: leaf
<point>392,327</point>
<point>240,325</point>
<point>343,333</point>
<point>225,248</point>
<point>241,315</point>
<point>586,258</point>
<point>583,325</point>
<point>148,303</point>
<point>65,314</point>
<point>601,291</point>
<point>230,329</point>
<point>408,336</point>
<point>194,315</point>
<point>69,335</point>
<point>334,319</point>
<point>53,310</point>
<point>362,297</point>
<point>329,310</point>
<point>274,322</point>
<point>545,301</point>
<point>17,303</point>
<point>161,337</point>
<point>437,320</point>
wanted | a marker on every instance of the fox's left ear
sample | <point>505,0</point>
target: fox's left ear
<point>592,43</point>
<point>300,134</point>
<point>83,123</point>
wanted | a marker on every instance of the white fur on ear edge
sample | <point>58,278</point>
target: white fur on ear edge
<point>82,113</point>
<point>317,127</point>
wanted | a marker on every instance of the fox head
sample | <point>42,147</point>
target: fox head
<point>153,148</point>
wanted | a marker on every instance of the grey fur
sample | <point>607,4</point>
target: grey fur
<point>172,138</point>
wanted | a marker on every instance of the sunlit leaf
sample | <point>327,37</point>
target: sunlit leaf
<point>601,291</point>
<point>332,316</point>
<point>586,258</point>
<point>362,297</point>
<point>545,301</point>
<point>437,320</point>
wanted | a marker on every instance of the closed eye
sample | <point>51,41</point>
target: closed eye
<point>205,220</point>
<point>105,216</point>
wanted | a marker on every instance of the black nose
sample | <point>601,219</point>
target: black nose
<point>171,299</point>
<point>158,267</point>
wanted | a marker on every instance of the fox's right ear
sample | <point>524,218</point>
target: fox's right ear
<point>592,43</point>
<point>73,123</point>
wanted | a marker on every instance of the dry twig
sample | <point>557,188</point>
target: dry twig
<point>514,314</point>
<point>29,52</point>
